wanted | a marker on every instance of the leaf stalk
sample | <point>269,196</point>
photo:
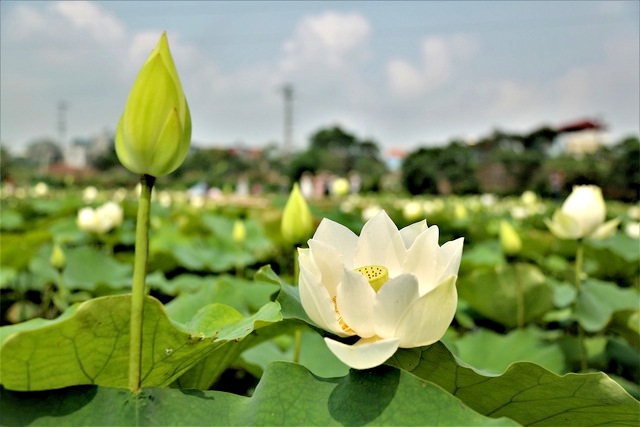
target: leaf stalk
<point>578,285</point>
<point>138,290</point>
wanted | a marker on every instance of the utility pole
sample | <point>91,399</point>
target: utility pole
<point>287,132</point>
<point>62,129</point>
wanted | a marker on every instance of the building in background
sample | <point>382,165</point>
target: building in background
<point>581,137</point>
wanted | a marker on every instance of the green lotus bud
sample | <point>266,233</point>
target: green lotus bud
<point>297,223</point>
<point>154,132</point>
<point>57,259</point>
<point>340,187</point>
<point>509,239</point>
<point>239,232</point>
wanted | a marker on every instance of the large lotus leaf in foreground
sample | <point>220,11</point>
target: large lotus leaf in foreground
<point>288,394</point>
<point>90,345</point>
<point>525,392</point>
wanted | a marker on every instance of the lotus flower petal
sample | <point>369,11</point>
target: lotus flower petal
<point>366,353</point>
<point>355,300</point>
<point>392,302</point>
<point>428,318</point>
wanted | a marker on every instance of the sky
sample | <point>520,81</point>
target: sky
<point>405,74</point>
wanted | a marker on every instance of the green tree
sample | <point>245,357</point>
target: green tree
<point>5,163</point>
<point>418,171</point>
<point>341,153</point>
<point>106,160</point>
<point>625,168</point>
<point>436,169</point>
<point>520,165</point>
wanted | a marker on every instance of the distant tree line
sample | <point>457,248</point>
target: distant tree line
<point>501,163</point>
<point>504,163</point>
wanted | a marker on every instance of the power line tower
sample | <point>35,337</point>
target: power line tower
<point>287,131</point>
<point>62,129</point>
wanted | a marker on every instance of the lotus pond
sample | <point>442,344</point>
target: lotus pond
<point>226,339</point>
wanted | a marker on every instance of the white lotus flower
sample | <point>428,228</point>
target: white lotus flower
<point>390,288</point>
<point>634,212</point>
<point>370,211</point>
<point>582,215</point>
<point>632,229</point>
<point>100,220</point>
<point>41,189</point>
<point>111,213</point>
<point>89,194</point>
<point>488,199</point>
<point>412,210</point>
<point>86,219</point>
<point>529,198</point>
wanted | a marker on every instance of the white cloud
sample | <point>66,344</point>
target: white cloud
<point>326,58</point>
<point>440,57</point>
<point>26,21</point>
<point>86,55</point>
<point>90,59</point>
<point>89,17</point>
<point>71,51</point>
<point>329,39</point>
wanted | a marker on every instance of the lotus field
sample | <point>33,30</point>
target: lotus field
<point>157,306</point>
<point>227,340</point>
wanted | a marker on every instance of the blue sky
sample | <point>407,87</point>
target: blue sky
<point>403,73</point>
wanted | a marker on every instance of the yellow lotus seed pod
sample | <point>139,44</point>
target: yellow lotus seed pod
<point>376,275</point>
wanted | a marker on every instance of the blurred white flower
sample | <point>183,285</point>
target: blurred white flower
<point>41,189</point>
<point>89,194</point>
<point>87,219</point>
<point>197,201</point>
<point>390,288</point>
<point>582,215</point>
<point>529,198</point>
<point>100,220</point>
<point>112,213</point>
<point>164,198</point>
<point>488,199</point>
<point>412,210</point>
<point>632,229</point>
<point>634,212</point>
<point>347,206</point>
<point>371,211</point>
<point>519,212</point>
